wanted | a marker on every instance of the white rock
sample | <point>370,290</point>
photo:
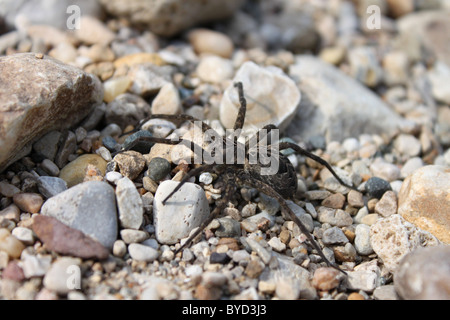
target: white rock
<point>276,244</point>
<point>393,237</point>
<point>385,170</point>
<point>410,166</point>
<point>142,252</point>
<point>167,101</point>
<point>63,276</point>
<point>407,145</point>
<point>182,212</point>
<point>129,204</point>
<point>35,266</point>
<point>362,239</point>
<point>439,77</point>
<point>272,98</point>
<point>23,234</point>
<point>337,106</point>
<point>214,69</point>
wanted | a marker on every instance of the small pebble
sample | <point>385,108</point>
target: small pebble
<point>141,252</point>
<point>334,235</point>
<point>387,205</point>
<point>119,248</point>
<point>221,258</point>
<point>23,234</point>
<point>158,168</point>
<point>129,204</point>
<point>51,186</point>
<point>326,279</point>
<point>62,271</point>
<point>132,236</point>
<point>28,202</point>
<point>131,163</point>
<point>132,142</point>
<point>10,244</point>
<point>362,240</point>
<point>376,187</point>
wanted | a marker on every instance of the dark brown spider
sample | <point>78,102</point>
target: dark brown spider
<point>281,186</point>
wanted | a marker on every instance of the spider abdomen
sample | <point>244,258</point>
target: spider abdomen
<point>284,181</point>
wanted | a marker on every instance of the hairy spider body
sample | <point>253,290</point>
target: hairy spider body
<point>281,185</point>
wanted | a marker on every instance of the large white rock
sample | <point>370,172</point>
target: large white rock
<point>272,98</point>
<point>183,212</point>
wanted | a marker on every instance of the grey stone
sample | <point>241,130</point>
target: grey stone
<point>142,252</point>
<point>89,207</point>
<point>424,274</point>
<point>334,235</point>
<point>338,106</point>
<point>129,204</point>
<point>362,239</point>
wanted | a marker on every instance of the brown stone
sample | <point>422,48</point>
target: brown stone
<point>41,95</point>
<point>325,279</point>
<point>424,200</point>
<point>335,201</point>
<point>28,202</point>
<point>67,241</point>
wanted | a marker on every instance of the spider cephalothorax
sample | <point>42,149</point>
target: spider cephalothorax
<point>247,169</point>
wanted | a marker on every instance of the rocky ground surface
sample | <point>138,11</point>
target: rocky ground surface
<point>79,222</point>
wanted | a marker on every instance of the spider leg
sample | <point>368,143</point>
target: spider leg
<point>230,189</point>
<point>190,174</point>
<point>265,188</point>
<point>286,145</point>
<point>239,124</point>
<point>263,132</point>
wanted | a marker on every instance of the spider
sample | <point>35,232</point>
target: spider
<point>282,185</point>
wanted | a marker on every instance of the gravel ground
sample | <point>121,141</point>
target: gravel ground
<point>366,92</point>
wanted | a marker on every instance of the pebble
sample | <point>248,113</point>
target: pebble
<point>393,237</point>
<point>129,204</point>
<point>335,217</point>
<point>74,172</point>
<point>131,163</point>
<point>210,42</point>
<point>207,178</point>
<point>67,241</point>
<point>11,212</point>
<point>63,271</point>
<point>355,199</point>
<point>8,190</point>
<point>66,149</point>
<point>141,252</point>
<point>410,166</point>
<point>326,279</point>
<point>133,236</point>
<point>407,145</point>
<point>228,228</point>
<point>167,101</point>
<point>48,144</point>
<point>28,202</point>
<point>365,280</point>
<point>387,205</point>
<point>148,79</point>
<point>183,212</point>
<point>423,200</point>
<point>133,143</point>
<point>23,234</point>
<point>376,187</point>
<point>94,31</point>
<point>119,248</point>
<point>334,235</point>
<point>259,249</point>
<point>114,87</point>
<point>386,292</point>
<point>216,257</point>
<point>160,128</point>
<point>10,244</point>
<point>362,240</point>
<point>126,109</point>
<point>89,207</point>
<point>423,274</point>
<point>270,85</point>
<point>158,168</point>
<point>214,69</point>
<point>335,201</point>
<point>276,244</point>
<point>287,289</point>
<point>139,58</point>
<point>50,186</point>
<point>385,170</point>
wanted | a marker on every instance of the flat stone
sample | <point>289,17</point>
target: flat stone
<point>424,274</point>
<point>334,235</point>
<point>387,205</point>
<point>63,94</point>
<point>89,207</point>
<point>67,241</point>
<point>335,217</point>
<point>129,204</point>
<point>332,100</point>
<point>424,200</point>
<point>182,212</point>
<point>141,252</point>
<point>28,202</point>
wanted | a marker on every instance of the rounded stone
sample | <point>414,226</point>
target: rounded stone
<point>74,172</point>
<point>424,274</point>
<point>376,187</point>
<point>158,168</point>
